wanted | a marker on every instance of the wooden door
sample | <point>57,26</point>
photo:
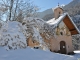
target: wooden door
<point>62,47</point>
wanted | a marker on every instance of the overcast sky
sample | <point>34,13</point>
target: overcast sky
<point>46,4</point>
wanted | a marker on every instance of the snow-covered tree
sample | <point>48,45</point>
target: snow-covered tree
<point>12,9</point>
<point>37,27</point>
<point>11,35</point>
<point>76,41</point>
<point>14,34</point>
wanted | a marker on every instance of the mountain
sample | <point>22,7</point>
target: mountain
<point>42,14</point>
<point>46,15</point>
<point>73,8</point>
<point>72,4</point>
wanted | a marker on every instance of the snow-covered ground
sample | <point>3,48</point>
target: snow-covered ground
<point>77,54</point>
<point>34,54</point>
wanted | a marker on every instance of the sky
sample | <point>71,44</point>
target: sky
<point>46,4</point>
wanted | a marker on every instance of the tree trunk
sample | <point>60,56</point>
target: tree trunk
<point>11,6</point>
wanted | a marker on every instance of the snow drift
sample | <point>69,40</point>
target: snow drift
<point>32,54</point>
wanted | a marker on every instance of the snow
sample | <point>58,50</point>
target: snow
<point>38,26</point>
<point>32,54</point>
<point>14,35</point>
<point>11,36</point>
<point>62,5</point>
<point>77,54</point>
<point>77,16</point>
<point>54,21</point>
<point>78,51</point>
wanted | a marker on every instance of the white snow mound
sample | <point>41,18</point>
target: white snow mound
<point>32,54</point>
<point>11,35</point>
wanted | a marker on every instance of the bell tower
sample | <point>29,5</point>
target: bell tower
<point>58,11</point>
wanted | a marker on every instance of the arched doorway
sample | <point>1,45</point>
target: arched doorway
<point>62,47</point>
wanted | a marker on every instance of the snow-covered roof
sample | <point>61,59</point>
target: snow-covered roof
<point>54,22</point>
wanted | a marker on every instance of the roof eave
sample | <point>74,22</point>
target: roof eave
<point>73,24</point>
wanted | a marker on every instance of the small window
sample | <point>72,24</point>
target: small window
<point>59,12</point>
<point>36,47</point>
<point>34,41</point>
<point>61,33</point>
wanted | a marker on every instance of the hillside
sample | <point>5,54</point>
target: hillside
<point>46,15</point>
<point>73,8</point>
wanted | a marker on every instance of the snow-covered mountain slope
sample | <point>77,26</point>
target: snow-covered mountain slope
<point>32,54</point>
<point>44,13</point>
<point>72,4</point>
<point>47,14</point>
<point>73,8</point>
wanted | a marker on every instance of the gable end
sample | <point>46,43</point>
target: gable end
<point>70,25</point>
